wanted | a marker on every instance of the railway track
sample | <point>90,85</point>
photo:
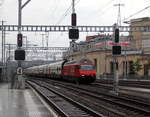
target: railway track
<point>130,88</point>
<point>124,102</point>
<point>130,83</point>
<point>63,105</point>
<point>109,105</point>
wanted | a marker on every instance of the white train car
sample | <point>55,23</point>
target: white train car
<point>52,70</point>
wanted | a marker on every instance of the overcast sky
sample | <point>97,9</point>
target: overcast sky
<point>51,12</point>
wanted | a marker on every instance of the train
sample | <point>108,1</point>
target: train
<point>78,71</point>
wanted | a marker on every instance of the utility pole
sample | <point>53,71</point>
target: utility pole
<point>2,40</point>
<point>43,40</point>
<point>125,69</point>
<point>116,50</point>
<point>4,55</point>
<point>20,51</point>
<point>73,12</point>
<point>2,75</point>
<point>20,7</point>
<point>47,37</point>
<point>73,6</point>
<point>74,32</point>
<point>119,13</point>
<point>3,49</point>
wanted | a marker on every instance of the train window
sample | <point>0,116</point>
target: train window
<point>86,67</point>
<point>85,61</point>
<point>77,67</point>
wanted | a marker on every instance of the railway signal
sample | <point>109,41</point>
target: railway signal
<point>73,19</point>
<point>116,35</point>
<point>116,49</point>
<point>73,34</point>
<point>19,54</point>
<point>19,40</point>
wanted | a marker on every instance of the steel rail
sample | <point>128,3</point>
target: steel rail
<point>82,107</point>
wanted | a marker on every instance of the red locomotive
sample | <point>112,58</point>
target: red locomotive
<point>79,71</point>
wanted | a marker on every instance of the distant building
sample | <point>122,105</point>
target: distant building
<point>135,47</point>
<point>142,39</point>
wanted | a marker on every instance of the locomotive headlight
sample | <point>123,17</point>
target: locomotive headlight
<point>82,75</point>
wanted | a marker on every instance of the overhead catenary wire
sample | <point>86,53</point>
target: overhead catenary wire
<point>137,13</point>
<point>105,6</point>
<point>1,8</point>
<point>67,12</point>
<point>103,9</point>
<point>53,11</point>
<point>148,2</point>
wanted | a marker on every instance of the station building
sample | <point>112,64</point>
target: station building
<point>134,58</point>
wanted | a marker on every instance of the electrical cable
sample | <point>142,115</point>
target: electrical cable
<point>148,2</point>
<point>137,12</point>
<point>53,9</point>
<point>1,8</point>
<point>105,6</point>
<point>66,13</point>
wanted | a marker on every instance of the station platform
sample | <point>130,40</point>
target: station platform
<point>21,103</point>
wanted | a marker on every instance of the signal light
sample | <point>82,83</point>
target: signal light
<point>117,35</point>
<point>73,19</point>
<point>19,40</point>
<point>19,54</point>
<point>116,50</point>
<point>73,34</point>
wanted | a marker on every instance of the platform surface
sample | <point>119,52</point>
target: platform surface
<point>21,103</point>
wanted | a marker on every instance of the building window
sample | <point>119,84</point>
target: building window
<point>145,43</point>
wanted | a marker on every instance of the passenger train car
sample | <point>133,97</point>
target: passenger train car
<point>79,71</point>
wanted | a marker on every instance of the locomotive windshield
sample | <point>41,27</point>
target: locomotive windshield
<point>86,67</point>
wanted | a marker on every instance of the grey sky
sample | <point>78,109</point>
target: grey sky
<point>89,12</point>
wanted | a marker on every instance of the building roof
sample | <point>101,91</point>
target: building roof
<point>140,19</point>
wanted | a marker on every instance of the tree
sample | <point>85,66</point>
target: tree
<point>135,67</point>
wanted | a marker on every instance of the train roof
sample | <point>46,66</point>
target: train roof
<point>79,61</point>
<point>47,65</point>
<point>56,64</point>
